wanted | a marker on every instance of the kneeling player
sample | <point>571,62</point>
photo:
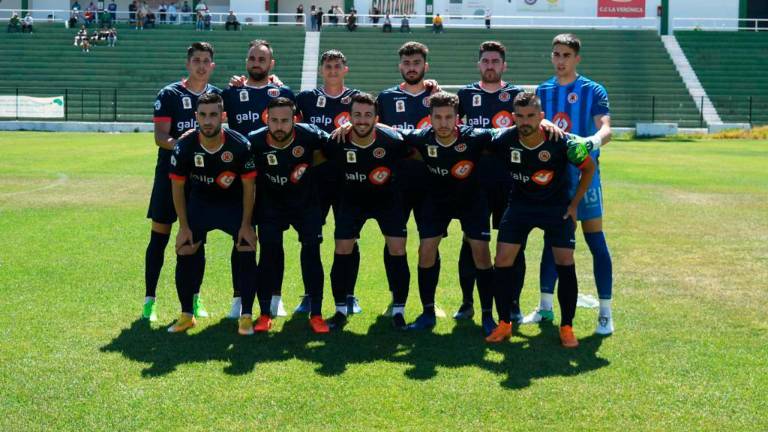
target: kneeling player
<point>284,153</point>
<point>367,158</point>
<point>451,154</point>
<point>539,198</point>
<point>212,159</point>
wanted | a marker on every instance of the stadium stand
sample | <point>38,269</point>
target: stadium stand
<point>45,64</point>
<point>633,65</point>
<point>730,66</point>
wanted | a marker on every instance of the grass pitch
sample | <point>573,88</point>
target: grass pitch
<point>687,224</point>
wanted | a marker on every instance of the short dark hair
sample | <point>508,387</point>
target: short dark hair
<point>365,99</point>
<point>493,46</point>
<point>210,98</point>
<point>526,99</point>
<point>568,39</point>
<point>443,99</point>
<point>411,48</point>
<point>258,43</point>
<point>281,102</point>
<point>333,54</point>
<point>199,46</point>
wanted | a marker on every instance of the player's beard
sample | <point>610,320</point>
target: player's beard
<point>526,130</point>
<point>216,131</point>
<point>366,133</point>
<point>413,81</point>
<point>279,135</point>
<point>491,77</point>
<point>257,76</point>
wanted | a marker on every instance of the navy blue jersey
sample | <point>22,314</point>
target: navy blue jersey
<point>367,171</point>
<point>246,106</point>
<point>403,110</point>
<point>451,167</point>
<point>323,111</point>
<point>213,175</point>
<point>283,173</point>
<point>488,109</point>
<point>540,174</point>
<point>176,104</point>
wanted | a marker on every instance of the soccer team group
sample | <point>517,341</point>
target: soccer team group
<point>492,155</point>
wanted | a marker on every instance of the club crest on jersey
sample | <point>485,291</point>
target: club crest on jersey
<point>227,156</point>
<point>345,100</point>
<point>504,97</point>
<point>351,156</point>
<point>573,97</point>
<point>400,106</point>
<point>515,156</point>
<point>460,147</point>
<point>199,161</point>
<point>462,169</point>
<point>186,102</point>
<point>379,152</point>
<point>158,105</point>
<point>298,151</point>
<point>432,151</point>
<point>273,92</point>
<point>320,102</point>
<point>225,179</point>
<point>425,101</point>
<point>477,100</point>
<point>379,175</point>
<point>244,96</point>
<point>298,172</point>
<point>542,177</point>
<point>271,159</point>
<point>563,121</point>
<point>544,156</point>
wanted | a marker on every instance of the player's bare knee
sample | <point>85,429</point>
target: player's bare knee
<point>161,228</point>
<point>592,225</point>
<point>344,247</point>
<point>396,246</point>
<point>563,256</point>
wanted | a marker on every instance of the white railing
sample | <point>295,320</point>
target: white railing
<point>508,21</point>
<point>124,16</point>
<point>720,24</point>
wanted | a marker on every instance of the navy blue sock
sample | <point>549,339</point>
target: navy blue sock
<point>312,274</point>
<point>354,270</point>
<point>518,280</point>
<point>401,279</point>
<point>501,292</point>
<point>246,278</point>
<point>340,278</point>
<point>186,278</point>
<point>602,264</point>
<point>567,293</point>
<point>547,270</point>
<point>200,267</point>
<point>234,262</point>
<point>153,261</point>
<point>485,287</point>
<point>271,268</point>
<point>467,273</point>
<point>428,278</point>
<point>388,267</point>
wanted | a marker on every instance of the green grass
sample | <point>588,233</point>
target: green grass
<point>686,223</point>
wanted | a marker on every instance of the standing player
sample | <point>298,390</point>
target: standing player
<point>328,107</point>
<point>580,106</point>
<point>246,105</point>
<point>539,198</point>
<point>451,154</point>
<point>406,107</point>
<point>284,153</point>
<point>367,158</point>
<point>174,114</point>
<point>212,159</point>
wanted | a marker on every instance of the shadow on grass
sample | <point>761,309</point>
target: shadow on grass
<point>521,362</point>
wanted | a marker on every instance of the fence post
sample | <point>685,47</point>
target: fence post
<point>750,111</point>
<point>114,106</point>
<point>66,104</point>
<point>653,109</point>
<point>17,104</point>
<point>701,113</point>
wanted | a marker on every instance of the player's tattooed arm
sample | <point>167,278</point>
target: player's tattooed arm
<point>163,135</point>
<point>246,237</point>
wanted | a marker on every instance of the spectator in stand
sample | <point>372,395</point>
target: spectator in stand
<point>319,18</point>
<point>76,6</point>
<point>201,6</point>
<point>162,11</point>
<point>437,24</point>
<point>173,14</point>
<point>112,8</point>
<point>112,37</point>
<point>105,19</point>
<point>14,24</point>
<point>151,19</point>
<point>26,23</point>
<point>405,25</point>
<point>186,12</point>
<point>207,20</point>
<point>80,36</point>
<point>375,12</point>
<point>332,18</point>
<point>232,22</point>
<point>312,18</point>
<point>387,24</point>
<point>352,21</point>
<point>92,11</point>
<point>488,18</point>
<point>133,8</point>
<point>300,14</point>
<point>339,15</point>
<point>141,15</point>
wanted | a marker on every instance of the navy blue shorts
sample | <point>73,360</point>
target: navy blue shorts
<point>307,222</point>
<point>161,208</point>
<point>472,211</point>
<point>412,178</point>
<point>353,214</point>
<point>520,219</point>
<point>495,181</point>
<point>329,183</point>
<point>206,216</point>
